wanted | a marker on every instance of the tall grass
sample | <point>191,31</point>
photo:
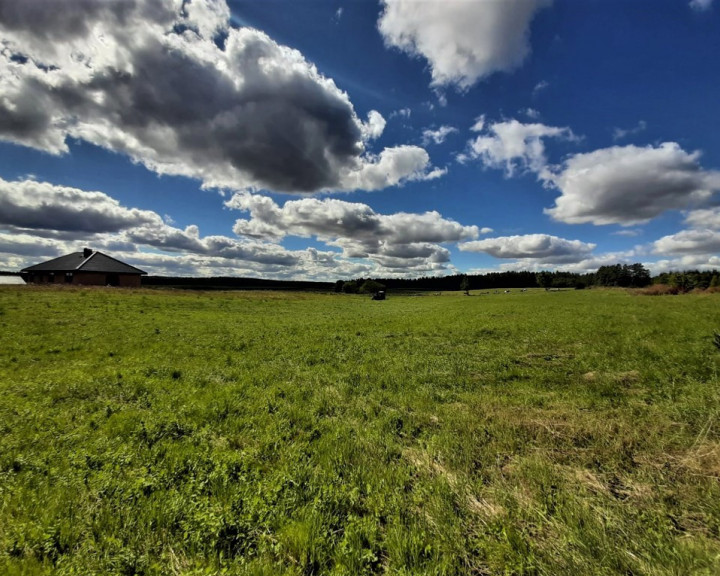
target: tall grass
<point>146,432</point>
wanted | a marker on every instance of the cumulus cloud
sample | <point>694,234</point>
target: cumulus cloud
<point>20,250</point>
<point>462,41</point>
<point>512,145</point>
<point>23,245</point>
<point>391,167</point>
<point>39,220</point>
<point>685,262</point>
<point>587,264</point>
<point>28,204</point>
<point>393,241</point>
<point>374,126</point>
<point>59,216</point>
<point>702,241</point>
<point>704,218</point>
<point>56,219</point>
<point>630,184</point>
<point>437,136</point>
<point>171,85</point>
<point>189,240</point>
<point>539,247</point>
<point>697,247</point>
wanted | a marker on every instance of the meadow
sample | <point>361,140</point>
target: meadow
<point>269,433</point>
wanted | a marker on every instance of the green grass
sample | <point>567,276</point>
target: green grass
<point>150,432</point>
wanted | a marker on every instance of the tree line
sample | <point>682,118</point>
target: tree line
<point>621,275</point>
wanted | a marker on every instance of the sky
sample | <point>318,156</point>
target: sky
<point>337,139</point>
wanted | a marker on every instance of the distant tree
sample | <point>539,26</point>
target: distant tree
<point>465,284</point>
<point>681,281</point>
<point>639,275</point>
<point>623,275</point>
<point>350,287</point>
<point>339,285</point>
<point>714,281</point>
<point>544,279</point>
<point>371,286</point>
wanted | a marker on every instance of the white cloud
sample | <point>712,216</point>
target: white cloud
<point>479,124</point>
<point>701,241</point>
<point>150,79</point>
<point>630,184</point>
<point>513,145</point>
<point>629,232</point>
<point>540,87</point>
<point>531,113</point>
<point>391,167</point>
<point>403,113</point>
<point>463,41</point>
<point>24,247</point>
<point>583,265</point>
<point>375,125</point>
<point>704,218</point>
<point>540,247</point>
<point>686,262</point>
<point>437,136</point>
<point>41,219</point>
<point>32,205</point>
<point>619,133</point>
<point>701,5</point>
<point>393,241</point>
<point>696,248</point>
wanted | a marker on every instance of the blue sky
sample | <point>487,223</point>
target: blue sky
<point>334,139</point>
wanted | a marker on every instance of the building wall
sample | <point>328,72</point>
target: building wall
<point>102,279</point>
<point>88,279</point>
<point>130,280</point>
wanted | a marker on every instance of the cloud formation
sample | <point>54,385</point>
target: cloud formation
<point>41,206</point>
<point>462,41</point>
<point>512,145</point>
<point>619,133</point>
<point>704,218</point>
<point>171,85</point>
<point>700,244</point>
<point>701,5</point>
<point>630,184</point>
<point>703,241</point>
<point>394,241</point>
<point>538,247</point>
<point>437,136</point>
<point>74,215</point>
<point>44,220</point>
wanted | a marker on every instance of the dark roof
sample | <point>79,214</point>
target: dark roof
<point>78,261</point>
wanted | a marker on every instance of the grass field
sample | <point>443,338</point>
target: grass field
<point>151,432</point>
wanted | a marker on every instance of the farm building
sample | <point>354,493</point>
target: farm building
<point>91,268</point>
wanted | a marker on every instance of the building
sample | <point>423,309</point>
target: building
<point>89,268</point>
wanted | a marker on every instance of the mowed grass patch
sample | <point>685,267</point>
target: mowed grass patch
<point>158,432</point>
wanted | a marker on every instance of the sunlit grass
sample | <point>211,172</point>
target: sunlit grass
<point>149,432</point>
